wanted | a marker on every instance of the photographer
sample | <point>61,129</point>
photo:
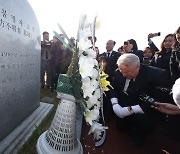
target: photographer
<point>173,124</point>
<point>148,54</point>
<point>170,108</point>
<point>131,79</point>
<point>161,57</point>
<point>45,60</point>
<point>130,46</point>
<point>151,43</point>
<point>175,57</point>
<point>56,62</point>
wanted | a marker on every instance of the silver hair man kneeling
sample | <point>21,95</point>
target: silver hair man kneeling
<point>128,59</point>
<point>129,65</point>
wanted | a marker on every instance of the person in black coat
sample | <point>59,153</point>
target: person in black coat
<point>175,58</point>
<point>130,46</point>
<point>57,50</point>
<point>171,109</point>
<point>111,59</point>
<point>132,81</point>
<point>161,58</point>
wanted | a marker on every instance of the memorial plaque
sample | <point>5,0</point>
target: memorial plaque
<point>19,63</point>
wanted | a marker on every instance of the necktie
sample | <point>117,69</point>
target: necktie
<point>108,55</point>
<point>46,54</point>
<point>126,86</point>
<point>130,87</point>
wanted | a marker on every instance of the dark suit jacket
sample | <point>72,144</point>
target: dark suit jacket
<point>140,54</point>
<point>175,64</point>
<point>145,82</point>
<point>111,63</point>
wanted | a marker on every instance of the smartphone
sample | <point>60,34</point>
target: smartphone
<point>156,34</point>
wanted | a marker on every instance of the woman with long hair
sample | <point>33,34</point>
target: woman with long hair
<point>161,59</point>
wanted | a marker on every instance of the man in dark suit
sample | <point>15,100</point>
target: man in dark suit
<point>131,81</point>
<point>111,57</point>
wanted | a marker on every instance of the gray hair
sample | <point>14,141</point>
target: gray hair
<point>128,59</point>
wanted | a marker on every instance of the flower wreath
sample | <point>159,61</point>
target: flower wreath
<point>84,75</point>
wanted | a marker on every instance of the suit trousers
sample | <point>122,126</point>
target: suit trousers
<point>45,68</point>
<point>137,124</point>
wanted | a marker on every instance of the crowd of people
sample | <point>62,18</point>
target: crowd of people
<point>143,82</point>
<point>55,59</point>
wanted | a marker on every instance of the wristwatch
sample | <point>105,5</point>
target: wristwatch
<point>130,109</point>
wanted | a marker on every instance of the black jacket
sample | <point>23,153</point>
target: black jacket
<point>138,53</point>
<point>153,47</point>
<point>146,81</point>
<point>162,61</point>
<point>175,63</point>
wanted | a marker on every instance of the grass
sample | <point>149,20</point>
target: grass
<point>30,146</point>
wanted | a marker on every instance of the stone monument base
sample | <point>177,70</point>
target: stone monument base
<point>15,140</point>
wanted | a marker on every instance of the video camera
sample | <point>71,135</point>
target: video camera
<point>147,99</point>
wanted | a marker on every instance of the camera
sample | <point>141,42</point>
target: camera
<point>156,34</point>
<point>147,99</point>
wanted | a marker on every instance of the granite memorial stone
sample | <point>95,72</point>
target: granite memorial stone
<point>19,64</point>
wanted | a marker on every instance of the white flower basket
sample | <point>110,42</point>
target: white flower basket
<point>60,138</point>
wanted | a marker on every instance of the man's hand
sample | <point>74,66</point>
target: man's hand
<point>167,108</point>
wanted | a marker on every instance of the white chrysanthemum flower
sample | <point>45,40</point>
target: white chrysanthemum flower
<point>96,63</point>
<point>92,101</point>
<point>92,115</point>
<point>87,88</point>
<point>97,129</point>
<point>85,68</point>
<point>90,53</point>
<point>92,61</point>
<point>96,74</point>
<point>97,93</point>
<point>94,83</point>
<point>84,45</point>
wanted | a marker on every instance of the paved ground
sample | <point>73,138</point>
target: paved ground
<point>120,143</point>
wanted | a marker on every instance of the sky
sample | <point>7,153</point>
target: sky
<point>120,20</point>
